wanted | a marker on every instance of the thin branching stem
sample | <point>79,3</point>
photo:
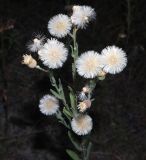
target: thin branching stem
<point>74,52</point>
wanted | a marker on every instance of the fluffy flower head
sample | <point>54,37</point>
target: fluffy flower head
<point>88,64</point>
<point>60,25</point>
<point>29,61</point>
<point>53,54</point>
<point>36,43</point>
<point>49,105</point>
<point>82,124</point>
<point>82,15</point>
<point>115,59</point>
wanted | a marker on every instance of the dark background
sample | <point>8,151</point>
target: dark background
<point>119,111</point>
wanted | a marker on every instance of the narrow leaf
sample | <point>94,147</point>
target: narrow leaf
<point>72,100</point>
<point>55,94</point>
<point>67,112</point>
<point>74,142</point>
<point>89,150</point>
<point>72,154</point>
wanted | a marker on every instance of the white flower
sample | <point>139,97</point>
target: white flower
<point>60,25</point>
<point>82,15</point>
<point>53,54</point>
<point>36,43</point>
<point>88,64</point>
<point>82,124</point>
<point>49,105</point>
<point>114,58</point>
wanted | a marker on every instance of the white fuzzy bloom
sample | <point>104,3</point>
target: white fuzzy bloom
<point>82,15</point>
<point>60,25</point>
<point>36,44</point>
<point>114,58</point>
<point>49,105</point>
<point>89,64</point>
<point>82,124</point>
<point>53,54</point>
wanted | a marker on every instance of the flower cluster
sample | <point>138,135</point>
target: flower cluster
<point>82,15</point>
<point>111,60</point>
<point>91,65</point>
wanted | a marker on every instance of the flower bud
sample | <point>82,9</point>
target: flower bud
<point>35,40</point>
<point>29,61</point>
<point>76,7</point>
<point>86,89</point>
<point>84,105</point>
<point>102,74</point>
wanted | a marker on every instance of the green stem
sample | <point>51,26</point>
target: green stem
<point>61,119</point>
<point>75,52</point>
<point>44,70</point>
<point>84,152</point>
<point>89,150</point>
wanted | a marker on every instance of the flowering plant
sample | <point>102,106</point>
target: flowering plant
<point>73,112</point>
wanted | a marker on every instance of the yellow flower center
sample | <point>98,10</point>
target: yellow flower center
<point>112,60</point>
<point>90,65</point>
<point>54,56</point>
<point>81,122</point>
<point>60,26</point>
<point>50,103</point>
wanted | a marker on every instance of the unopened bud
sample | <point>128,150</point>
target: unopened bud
<point>76,7</point>
<point>86,89</point>
<point>102,73</point>
<point>84,105</point>
<point>36,40</point>
<point>86,19</point>
<point>29,61</point>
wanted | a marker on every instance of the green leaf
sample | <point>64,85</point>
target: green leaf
<point>70,89</point>
<point>73,98</point>
<point>74,142</point>
<point>72,154</point>
<point>89,150</point>
<point>55,94</point>
<point>61,91</point>
<point>60,86</point>
<point>68,117</point>
<point>67,112</point>
<point>72,51</point>
<point>52,79</point>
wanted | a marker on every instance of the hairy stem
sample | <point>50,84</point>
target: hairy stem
<point>74,52</point>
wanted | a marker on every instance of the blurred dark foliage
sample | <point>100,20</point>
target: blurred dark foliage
<point>119,111</point>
